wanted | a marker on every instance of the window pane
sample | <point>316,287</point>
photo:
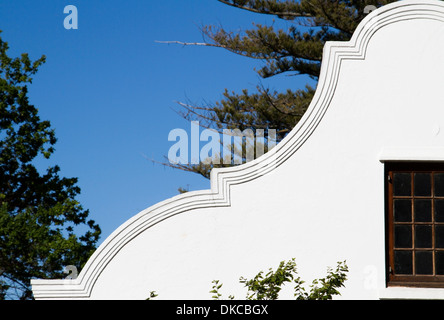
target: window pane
<point>403,236</point>
<point>423,185</point>
<point>423,236</point>
<point>439,236</point>
<point>402,184</point>
<point>424,262</point>
<point>439,184</point>
<point>402,210</point>
<point>423,210</point>
<point>439,262</point>
<point>439,210</point>
<point>403,262</point>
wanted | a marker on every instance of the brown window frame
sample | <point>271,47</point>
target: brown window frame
<point>414,280</point>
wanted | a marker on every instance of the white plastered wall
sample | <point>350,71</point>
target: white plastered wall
<point>318,197</point>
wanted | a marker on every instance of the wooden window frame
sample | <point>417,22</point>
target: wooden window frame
<point>435,281</point>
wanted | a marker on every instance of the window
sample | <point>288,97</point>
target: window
<point>415,224</point>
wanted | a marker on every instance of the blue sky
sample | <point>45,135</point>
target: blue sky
<point>109,90</point>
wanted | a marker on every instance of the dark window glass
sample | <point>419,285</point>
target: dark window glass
<point>403,262</point>
<point>424,262</point>
<point>423,184</point>
<point>423,210</point>
<point>439,262</point>
<point>423,236</point>
<point>439,184</point>
<point>402,184</point>
<point>403,236</point>
<point>416,223</point>
<point>402,210</point>
<point>439,210</point>
<point>439,236</point>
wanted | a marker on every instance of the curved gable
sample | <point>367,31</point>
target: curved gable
<point>317,196</point>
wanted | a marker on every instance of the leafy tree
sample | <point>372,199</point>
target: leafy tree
<point>38,212</point>
<point>296,50</point>
<point>268,286</point>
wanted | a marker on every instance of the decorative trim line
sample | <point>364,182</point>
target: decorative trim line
<point>221,179</point>
<point>412,154</point>
<point>400,293</point>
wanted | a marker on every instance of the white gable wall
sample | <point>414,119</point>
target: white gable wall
<point>319,198</point>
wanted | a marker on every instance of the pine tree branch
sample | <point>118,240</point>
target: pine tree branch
<point>283,15</point>
<point>264,91</point>
<point>335,24</point>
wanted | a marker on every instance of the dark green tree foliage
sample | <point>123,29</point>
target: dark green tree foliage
<point>268,286</point>
<point>296,50</point>
<point>38,212</point>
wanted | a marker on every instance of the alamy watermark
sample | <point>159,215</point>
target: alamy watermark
<point>232,146</point>
<point>71,21</point>
<point>71,270</point>
<point>369,9</point>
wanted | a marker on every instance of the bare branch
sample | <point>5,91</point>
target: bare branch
<point>190,110</point>
<point>199,168</point>
<point>205,44</point>
<point>192,43</point>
